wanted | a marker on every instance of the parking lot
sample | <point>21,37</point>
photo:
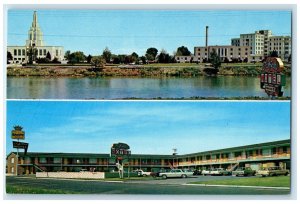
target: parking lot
<point>176,186</point>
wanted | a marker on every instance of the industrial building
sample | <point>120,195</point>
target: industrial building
<point>277,153</point>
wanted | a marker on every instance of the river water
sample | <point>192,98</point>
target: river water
<point>146,88</point>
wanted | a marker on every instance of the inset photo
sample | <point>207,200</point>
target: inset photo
<point>144,54</point>
<point>128,147</point>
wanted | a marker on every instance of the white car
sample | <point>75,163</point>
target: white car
<point>272,171</point>
<point>206,172</point>
<point>219,172</point>
<point>142,173</point>
<point>176,173</point>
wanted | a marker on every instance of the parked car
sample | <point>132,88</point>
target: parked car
<point>176,173</point>
<point>206,172</point>
<point>219,172</point>
<point>272,171</point>
<point>197,172</point>
<point>140,172</point>
<point>243,171</point>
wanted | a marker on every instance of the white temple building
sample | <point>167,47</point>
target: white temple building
<point>35,41</point>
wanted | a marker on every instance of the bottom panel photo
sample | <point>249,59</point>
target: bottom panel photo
<point>148,148</point>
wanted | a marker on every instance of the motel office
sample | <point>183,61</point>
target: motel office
<point>255,156</point>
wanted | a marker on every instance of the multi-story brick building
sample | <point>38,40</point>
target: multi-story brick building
<point>256,155</point>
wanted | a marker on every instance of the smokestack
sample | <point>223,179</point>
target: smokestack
<point>206,37</point>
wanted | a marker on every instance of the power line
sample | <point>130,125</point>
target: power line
<point>138,36</point>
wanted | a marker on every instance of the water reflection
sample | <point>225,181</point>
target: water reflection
<point>118,88</point>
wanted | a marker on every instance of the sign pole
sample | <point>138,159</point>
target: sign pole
<point>17,160</point>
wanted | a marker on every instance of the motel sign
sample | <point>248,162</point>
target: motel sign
<point>272,78</point>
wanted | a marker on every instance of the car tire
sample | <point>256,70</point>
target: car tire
<point>184,176</point>
<point>164,176</point>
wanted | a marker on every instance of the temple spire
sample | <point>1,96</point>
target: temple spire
<point>34,22</point>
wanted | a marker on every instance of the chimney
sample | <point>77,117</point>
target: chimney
<point>206,37</point>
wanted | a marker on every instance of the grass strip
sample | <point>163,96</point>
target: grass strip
<point>10,189</point>
<point>279,181</point>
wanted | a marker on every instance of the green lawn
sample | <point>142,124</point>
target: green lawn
<point>10,189</point>
<point>276,181</point>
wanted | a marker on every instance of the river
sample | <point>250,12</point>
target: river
<point>146,88</point>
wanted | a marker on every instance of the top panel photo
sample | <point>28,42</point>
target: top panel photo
<point>149,54</point>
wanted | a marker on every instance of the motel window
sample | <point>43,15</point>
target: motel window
<point>207,157</point>
<point>15,52</point>
<point>56,52</point>
<point>200,158</point>
<point>284,149</point>
<point>41,52</point>
<point>23,52</point>
<point>42,160</point>
<point>266,152</point>
<point>57,160</point>
<point>213,156</point>
<point>19,52</point>
<point>12,170</point>
<point>12,160</point>
<point>238,154</point>
<point>92,161</point>
<point>45,51</point>
<point>27,160</point>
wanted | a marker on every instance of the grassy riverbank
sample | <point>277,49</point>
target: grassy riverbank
<point>150,70</point>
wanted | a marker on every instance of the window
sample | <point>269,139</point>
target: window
<point>42,160</point>
<point>23,52</point>
<point>41,52</point>
<point>266,152</point>
<point>19,52</point>
<point>56,53</point>
<point>92,161</point>
<point>57,160</point>
<point>15,52</point>
<point>12,170</point>
<point>45,51</point>
<point>12,160</point>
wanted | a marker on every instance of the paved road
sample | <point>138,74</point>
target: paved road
<point>162,187</point>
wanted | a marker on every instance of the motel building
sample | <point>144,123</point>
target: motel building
<point>268,154</point>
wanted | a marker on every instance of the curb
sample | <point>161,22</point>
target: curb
<point>237,186</point>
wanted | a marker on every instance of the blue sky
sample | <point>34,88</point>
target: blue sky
<point>127,31</point>
<point>147,127</point>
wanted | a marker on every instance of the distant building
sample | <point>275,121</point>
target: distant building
<point>262,43</point>
<point>35,41</point>
<point>281,44</point>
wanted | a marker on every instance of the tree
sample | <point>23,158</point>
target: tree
<point>97,62</point>
<point>67,55</point>
<point>214,59</point>
<point>183,51</point>
<point>290,58</point>
<point>106,54</point>
<point>226,60</point>
<point>32,53</point>
<point>143,58</point>
<point>89,58</point>
<point>135,57</point>
<point>164,57</point>
<point>274,53</point>
<point>9,57</point>
<point>77,57</point>
<point>151,53</point>
<point>48,56</point>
